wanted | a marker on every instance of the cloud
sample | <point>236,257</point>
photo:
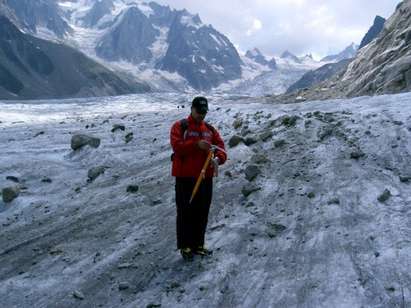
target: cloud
<point>320,27</point>
<point>257,25</point>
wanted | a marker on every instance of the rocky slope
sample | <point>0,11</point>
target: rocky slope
<point>39,16</point>
<point>35,68</point>
<point>200,54</point>
<point>315,77</point>
<point>170,49</point>
<point>382,66</point>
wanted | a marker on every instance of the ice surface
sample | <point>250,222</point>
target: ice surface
<point>341,247</point>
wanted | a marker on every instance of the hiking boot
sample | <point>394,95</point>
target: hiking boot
<point>202,251</point>
<point>187,254</point>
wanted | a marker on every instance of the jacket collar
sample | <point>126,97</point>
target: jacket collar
<point>192,121</point>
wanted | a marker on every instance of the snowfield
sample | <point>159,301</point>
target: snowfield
<point>326,222</point>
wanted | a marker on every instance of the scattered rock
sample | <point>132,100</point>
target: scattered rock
<point>174,285</point>
<point>129,137</point>
<point>334,201</point>
<point>273,230</point>
<point>328,117</point>
<point>153,306</point>
<point>132,189</point>
<point>266,135</point>
<point>55,251</point>
<point>38,134</point>
<point>78,295</point>
<point>250,204</point>
<point>245,131</point>
<point>279,143</point>
<point>13,179</point>
<point>398,123</point>
<point>248,189</point>
<point>311,195</point>
<point>251,172</point>
<point>46,180</point>
<point>318,114</point>
<point>95,172</point>
<point>234,141</point>
<point>156,202</point>
<point>124,265</point>
<point>259,159</point>
<point>123,286</point>
<point>356,154</point>
<point>238,123</point>
<point>228,174</point>
<point>250,141</point>
<point>289,121</point>
<point>118,127</point>
<point>78,141</point>
<point>405,179</point>
<point>384,196</point>
<point>10,193</point>
<point>325,132</point>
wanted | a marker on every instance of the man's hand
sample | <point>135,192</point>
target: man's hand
<point>204,145</point>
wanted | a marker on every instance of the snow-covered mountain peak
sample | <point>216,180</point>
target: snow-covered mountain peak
<point>191,21</point>
<point>255,52</point>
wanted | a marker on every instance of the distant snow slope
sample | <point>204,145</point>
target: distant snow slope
<point>316,233</point>
<point>260,80</point>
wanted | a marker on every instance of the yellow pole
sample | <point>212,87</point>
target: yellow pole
<point>202,175</point>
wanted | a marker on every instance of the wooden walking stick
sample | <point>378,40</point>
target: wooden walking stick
<point>202,174</point>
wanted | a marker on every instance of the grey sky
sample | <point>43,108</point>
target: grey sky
<point>320,27</point>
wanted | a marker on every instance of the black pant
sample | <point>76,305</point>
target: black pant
<point>192,217</point>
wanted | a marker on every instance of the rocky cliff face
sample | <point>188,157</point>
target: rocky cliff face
<point>384,66</point>
<point>130,39</point>
<point>199,53</point>
<point>374,31</point>
<point>314,77</point>
<point>35,68</point>
<point>290,56</point>
<point>38,14</point>
<point>97,12</point>
<point>258,57</point>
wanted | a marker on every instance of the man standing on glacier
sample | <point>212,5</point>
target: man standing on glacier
<point>192,139</point>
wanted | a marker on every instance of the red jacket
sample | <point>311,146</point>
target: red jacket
<point>188,158</point>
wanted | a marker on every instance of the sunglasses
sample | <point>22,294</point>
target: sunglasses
<point>202,112</point>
